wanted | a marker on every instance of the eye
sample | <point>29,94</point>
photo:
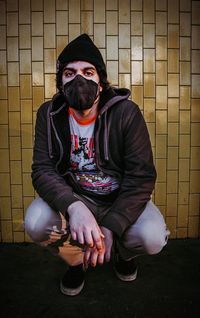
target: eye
<point>68,73</point>
<point>88,73</point>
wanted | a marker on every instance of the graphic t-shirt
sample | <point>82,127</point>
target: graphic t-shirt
<point>82,158</point>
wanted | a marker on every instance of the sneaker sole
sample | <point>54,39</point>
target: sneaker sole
<point>126,278</point>
<point>71,291</point>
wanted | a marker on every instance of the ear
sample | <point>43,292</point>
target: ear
<point>100,88</point>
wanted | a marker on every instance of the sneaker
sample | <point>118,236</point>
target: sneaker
<point>125,270</point>
<point>73,281</point>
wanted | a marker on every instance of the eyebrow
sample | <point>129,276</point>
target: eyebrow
<point>74,70</point>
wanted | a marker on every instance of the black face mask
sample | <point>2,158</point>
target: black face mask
<point>81,93</point>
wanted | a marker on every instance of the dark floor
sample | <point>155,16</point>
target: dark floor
<point>168,285</point>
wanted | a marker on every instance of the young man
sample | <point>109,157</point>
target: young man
<point>94,173</point>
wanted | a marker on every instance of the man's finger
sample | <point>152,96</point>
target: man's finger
<point>88,239</point>
<point>80,238</point>
<point>97,239</point>
<point>74,235</point>
<point>94,257</point>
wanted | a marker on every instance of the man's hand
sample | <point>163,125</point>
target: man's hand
<point>83,226</point>
<point>94,256</point>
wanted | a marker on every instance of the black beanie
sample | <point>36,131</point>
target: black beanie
<point>81,49</point>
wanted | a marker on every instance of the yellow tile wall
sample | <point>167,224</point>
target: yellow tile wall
<point>151,47</point>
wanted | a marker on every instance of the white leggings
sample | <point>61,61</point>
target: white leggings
<point>148,235</point>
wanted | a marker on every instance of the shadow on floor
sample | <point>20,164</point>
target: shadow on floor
<point>168,285</point>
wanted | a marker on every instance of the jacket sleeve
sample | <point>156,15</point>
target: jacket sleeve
<point>139,174</point>
<point>50,186</point>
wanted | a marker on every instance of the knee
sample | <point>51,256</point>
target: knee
<point>36,220</point>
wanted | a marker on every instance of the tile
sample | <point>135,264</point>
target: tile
<point>173,130</point>
<point>24,12</point>
<point>173,36</point>
<point>183,197</point>
<point>161,72</point>
<point>2,12</point>
<point>100,35</point>
<point>161,23</point>
<point>37,24</point>
<point>161,5</point>
<point>38,97</point>
<point>137,95</point>
<point>27,185</point>
<point>173,85</point>
<point>3,61</point>
<point>182,232</point>
<point>185,5</point>
<point>195,12</point>
<point>6,228</point>
<point>195,37</point>
<point>161,48</point>
<point>12,5</point>
<point>25,86</point>
<point>88,4</point>
<point>99,11</point>
<point>112,70</point>
<point>136,5</point>
<point>193,228</point>
<point>5,184</point>
<point>195,61</point>
<point>124,11</point>
<point>195,86</point>
<point>37,74</point>
<point>151,130</point>
<point>149,60</point>
<point>184,170</point>
<point>27,155</point>
<point>149,85</point>
<point>195,133</point>
<point>124,61</point>
<point>4,161</point>
<point>149,35</point>
<point>25,62</point>
<point>37,5</point>
<point>172,187</point>
<point>173,11</point>
<point>184,122</point>
<point>16,172</point>
<point>173,109</point>
<point>49,11</point>
<point>16,191</point>
<point>14,124</point>
<point>27,135</point>
<point>26,111</point>
<point>111,23</point>
<point>171,204</point>
<point>161,147</point>
<point>137,73</point>
<point>173,61</point>
<point>61,42</point>
<point>112,47</point>
<point>74,31</point>
<point>185,73</point>
<point>136,23</point>
<point>2,37</point>
<point>124,36</point>
<point>124,80</point>
<point>17,219</point>
<point>3,85</point>
<point>182,216</point>
<point>194,181</point>
<point>37,48</point>
<point>184,146</point>
<point>194,204</point>
<point>161,97</point>
<point>111,5</point>
<point>24,36</point>
<point>4,136</point>
<point>136,48</point>
<point>50,87</point>
<point>172,156</point>
<point>161,170</point>
<point>160,193</point>
<point>12,24</point>
<point>49,60</point>
<point>185,24</point>
<point>13,74</point>
<point>185,48</point>
<point>87,22</point>
<point>12,49</point>
<point>3,111</point>
<point>49,36</point>
<point>5,204</point>
<point>148,11</point>
<point>161,122</point>
<point>184,97</point>
<point>15,148</point>
<point>195,115</point>
<point>149,110</point>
